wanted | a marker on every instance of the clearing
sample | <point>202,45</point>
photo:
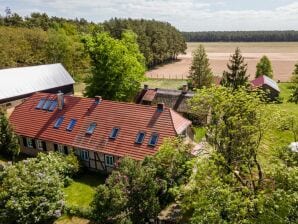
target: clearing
<point>283,56</point>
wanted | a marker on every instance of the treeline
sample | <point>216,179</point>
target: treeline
<point>159,42</point>
<point>37,39</point>
<point>241,36</point>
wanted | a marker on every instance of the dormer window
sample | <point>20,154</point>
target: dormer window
<point>114,133</point>
<point>91,128</point>
<point>153,139</point>
<point>71,124</point>
<point>140,137</point>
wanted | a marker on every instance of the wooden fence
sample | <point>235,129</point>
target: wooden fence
<point>167,76</point>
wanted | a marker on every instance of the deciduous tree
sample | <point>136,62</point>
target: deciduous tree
<point>31,190</point>
<point>264,67</point>
<point>117,67</point>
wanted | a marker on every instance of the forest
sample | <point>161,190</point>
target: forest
<point>241,36</point>
<point>40,39</point>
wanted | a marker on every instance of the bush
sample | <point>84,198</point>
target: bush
<point>78,211</point>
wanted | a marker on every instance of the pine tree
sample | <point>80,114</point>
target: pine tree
<point>295,74</point>
<point>8,140</point>
<point>264,67</point>
<point>236,76</point>
<point>200,73</point>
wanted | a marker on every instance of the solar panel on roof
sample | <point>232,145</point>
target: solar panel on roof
<point>40,103</point>
<point>47,104</point>
<point>71,124</point>
<point>53,105</point>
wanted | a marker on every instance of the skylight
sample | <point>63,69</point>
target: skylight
<point>71,124</point>
<point>47,105</point>
<point>153,139</point>
<point>40,103</point>
<point>91,128</point>
<point>114,133</point>
<point>53,105</point>
<point>58,122</point>
<point>140,137</point>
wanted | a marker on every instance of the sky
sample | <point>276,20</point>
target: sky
<point>186,15</point>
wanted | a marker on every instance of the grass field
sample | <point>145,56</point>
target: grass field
<point>81,190</point>
<point>283,56</point>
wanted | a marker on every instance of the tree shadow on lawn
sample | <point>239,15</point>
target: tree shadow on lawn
<point>91,178</point>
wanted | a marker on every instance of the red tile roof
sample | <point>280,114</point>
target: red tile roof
<point>130,118</point>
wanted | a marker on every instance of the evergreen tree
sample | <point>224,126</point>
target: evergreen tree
<point>200,73</point>
<point>236,76</point>
<point>8,140</point>
<point>294,94</point>
<point>295,74</point>
<point>264,67</point>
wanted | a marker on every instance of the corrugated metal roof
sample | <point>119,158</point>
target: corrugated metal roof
<point>25,80</point>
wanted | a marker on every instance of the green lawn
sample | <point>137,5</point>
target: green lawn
<point>165,83</point>
<point>82,189</point>
<point>276,137</point>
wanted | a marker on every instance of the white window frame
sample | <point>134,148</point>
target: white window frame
<point>60,148</point>
<point>109,160</point>
<point>39,145</point>
<point>84,155</point>
<point>29,142</point>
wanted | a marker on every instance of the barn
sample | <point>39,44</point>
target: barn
<point>16,84</point>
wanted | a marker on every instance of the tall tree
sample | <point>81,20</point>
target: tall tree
<point>264,67</point>
<point>236,76</point>
<point>8,140</point>
<point>118,67</point>
<point>294,92</point>
<point>200,73</point>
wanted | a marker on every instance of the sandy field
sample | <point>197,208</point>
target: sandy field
<point>282,55</point>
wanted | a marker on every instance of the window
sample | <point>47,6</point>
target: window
<point>60,148</point>
<point>84,155</point>
<point>47,105</point>
<point>58,122</point>
<point>71,124</point>
<point>39,145</point>
<point>153,139</point>
<point>114,133</point>
<point>109,160</point>
<point>29,142</point>
<point>91,128</point>
<point>140,137</point>
<point>53,105</point>
<point>40,103</point>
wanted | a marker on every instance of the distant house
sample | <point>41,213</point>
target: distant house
<point>99,131</point>
<point>175,99</point>
<point>267,85</point>
<point>19,83</point>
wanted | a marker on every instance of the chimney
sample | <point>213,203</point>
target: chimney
<point>60,99</point>
<point>184,89</point>
<point>160,107</point>
<point>98,99</point>
<point>146,87</point>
